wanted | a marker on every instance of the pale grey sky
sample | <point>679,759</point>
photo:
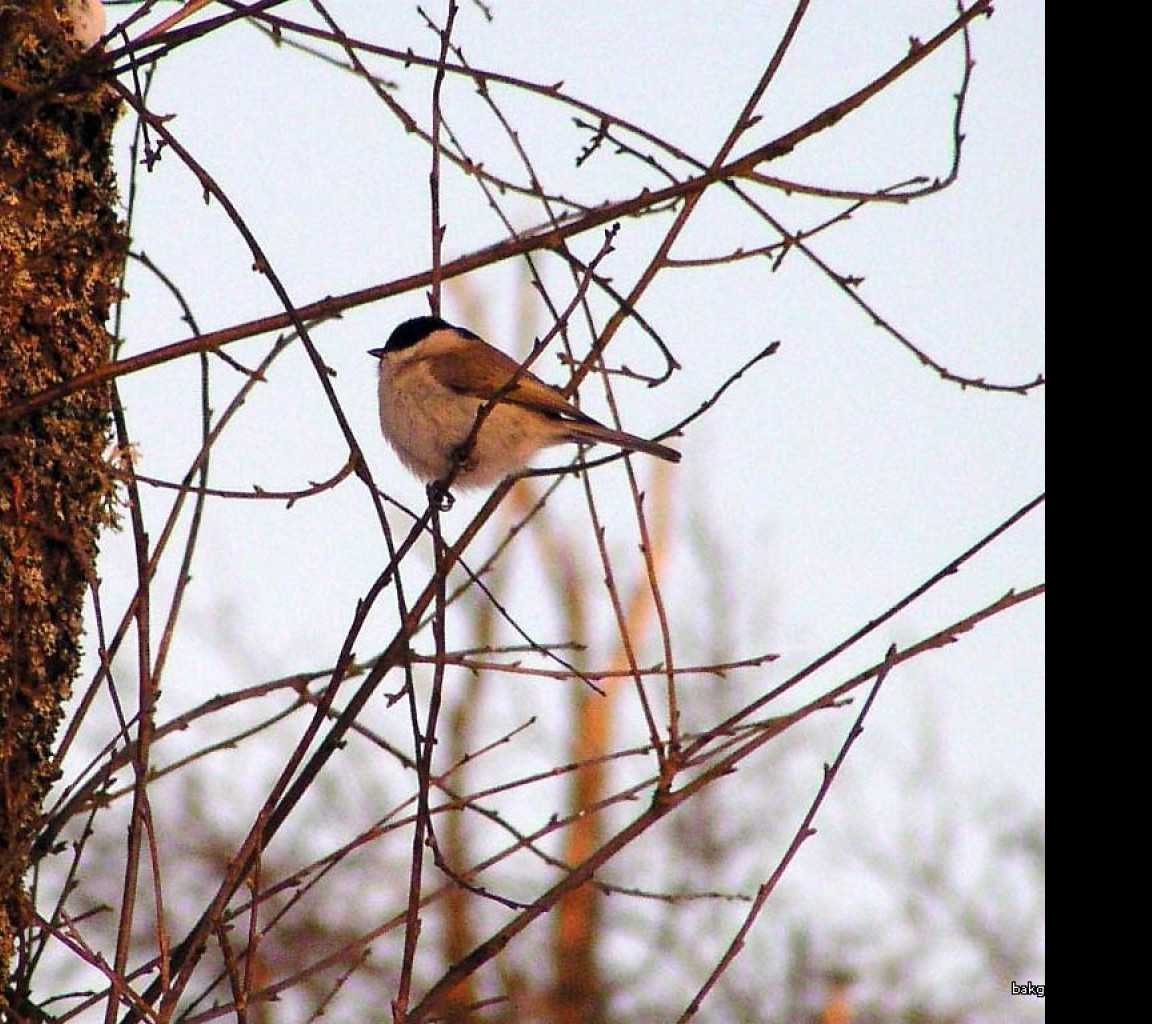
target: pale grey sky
<point>838,475</point>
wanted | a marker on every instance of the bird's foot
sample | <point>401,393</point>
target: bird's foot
<point>440,496</point>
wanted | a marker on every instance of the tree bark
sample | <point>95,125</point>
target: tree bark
<point>61,257</point>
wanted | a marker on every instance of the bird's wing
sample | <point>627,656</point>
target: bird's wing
<point>486,373</point>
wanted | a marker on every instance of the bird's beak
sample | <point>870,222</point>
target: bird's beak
<point>376,352</point>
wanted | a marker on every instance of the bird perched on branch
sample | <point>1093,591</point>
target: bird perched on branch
<point>434,381</point>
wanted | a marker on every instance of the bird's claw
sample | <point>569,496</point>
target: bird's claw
<point>440,496</point>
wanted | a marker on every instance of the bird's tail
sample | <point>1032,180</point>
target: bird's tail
<point>593,432</point>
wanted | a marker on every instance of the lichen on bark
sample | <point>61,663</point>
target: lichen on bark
<point>61,255</point>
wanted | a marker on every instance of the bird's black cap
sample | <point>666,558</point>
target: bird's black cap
<point>414,330</point>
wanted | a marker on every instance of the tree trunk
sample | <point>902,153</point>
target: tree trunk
<point>61,255</point>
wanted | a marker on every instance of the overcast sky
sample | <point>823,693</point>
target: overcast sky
<point>837,476</point>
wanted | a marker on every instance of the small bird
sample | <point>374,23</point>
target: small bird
<point>434,379</point>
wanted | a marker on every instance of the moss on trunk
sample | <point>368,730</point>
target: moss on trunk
<point>61,254</point>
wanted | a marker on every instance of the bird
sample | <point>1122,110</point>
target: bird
<point>434,380</point>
